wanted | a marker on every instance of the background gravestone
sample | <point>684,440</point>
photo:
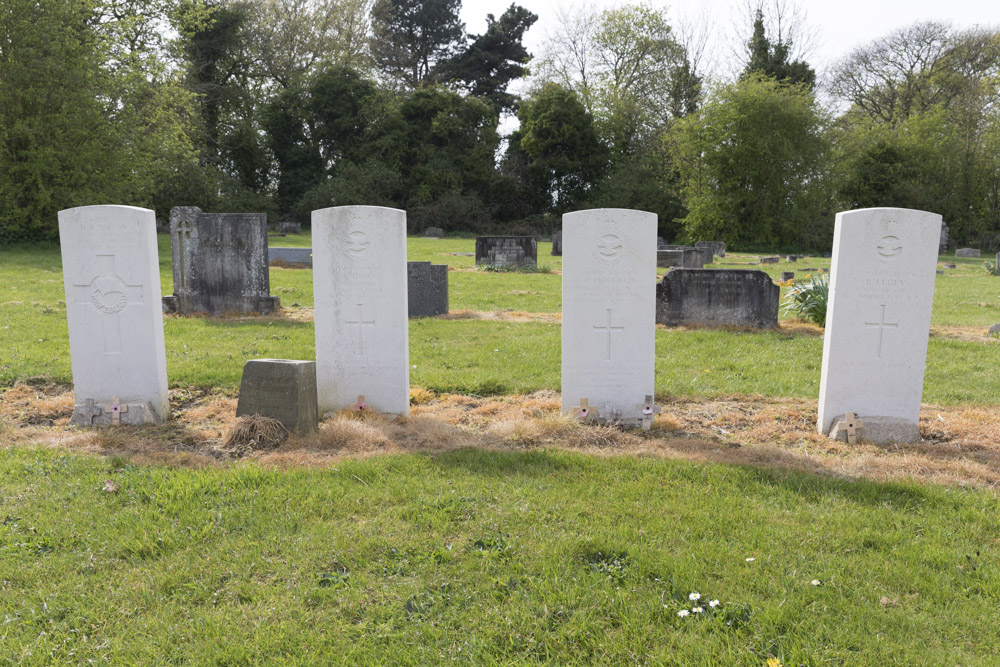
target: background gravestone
<point>878,321</point>
<point>512,251</point>
<point>111,275</point>
<point>290,256</point>
<point>282,389</point>
<point>289,227</point>
<point>687,258</point>
<point>360,316</point>
<point>608,295</point>
<point>967,252</point>
<point>220,263</point>
<point>557,243</point>
<point>717,297</point>
<point>433,233</point>
<point>427,289</point>
<point>717,248</point>
<point>943,243</point>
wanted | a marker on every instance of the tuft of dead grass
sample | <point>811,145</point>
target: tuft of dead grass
<point>961,445</point>
<point>254,433</point>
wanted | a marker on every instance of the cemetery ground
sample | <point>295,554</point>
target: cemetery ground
<point>487,527</point>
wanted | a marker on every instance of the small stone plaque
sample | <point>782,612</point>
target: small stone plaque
<point>717,297</point>
<point>282,389</point>
<point>427,289</point>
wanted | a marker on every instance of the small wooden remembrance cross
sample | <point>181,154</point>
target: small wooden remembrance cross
<point>116,411</point>
<point>649,411</point>
<point>584,411</point>
<point>360,405</point>
<point>851,424</point>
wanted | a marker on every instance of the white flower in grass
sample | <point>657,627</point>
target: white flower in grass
<point>713,603</point>
<point>697,610</point>
<point>816,582</point>
<point>750,560</point>
<point>683,612</point>
<point>694,596</point>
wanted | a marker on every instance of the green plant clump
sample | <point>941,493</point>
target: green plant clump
<point>807,300</point>
<point>991,268</point>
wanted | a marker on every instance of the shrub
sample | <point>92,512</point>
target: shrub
<point>807,299</point>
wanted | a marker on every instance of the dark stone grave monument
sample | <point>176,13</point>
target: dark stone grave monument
<point>282,389</point>
<point>770,260</point>
<point>427,289</point>
<point>717,297</point>
<point>718,248</point>
<point>220,263</point>
<point>433,233</point>
<point>787,275</point>
<point>509,251</point>
<point>293,257</point>
<point>557,243</point>
<point>686,258</point>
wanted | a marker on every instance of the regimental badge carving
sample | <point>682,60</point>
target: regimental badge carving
<point>108,294</point>
<point>357,243</point>
<point>889,246</point>
<point>609,246</point>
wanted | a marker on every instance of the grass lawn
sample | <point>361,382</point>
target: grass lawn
<point>496,356</point>
<point>488,558</point>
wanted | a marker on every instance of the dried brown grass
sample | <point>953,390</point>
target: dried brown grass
<point>961,444</point>
<point>502,316</point>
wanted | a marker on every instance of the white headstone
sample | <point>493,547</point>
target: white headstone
<point>609,311</point>
<point>111,272</point>
<point>359,282</point>
<point>878,321</point>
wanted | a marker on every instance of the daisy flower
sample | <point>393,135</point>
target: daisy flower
<point>683,612</point>
<point>694,596</point>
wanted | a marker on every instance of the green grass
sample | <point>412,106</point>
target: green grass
<point>490,357</point>
<point>488,558</point>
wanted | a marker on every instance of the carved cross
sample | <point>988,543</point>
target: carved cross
<point>89,410</point>
<point>882,326</point>
<point>359,328</point>
<point>609,329</point>
<point>648,409</point>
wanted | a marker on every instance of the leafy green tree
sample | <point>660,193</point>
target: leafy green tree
<point>752,164</point>
<point>773,59</point>
<point>564,157</point>
<point>411,36</point>
<point>493,60</point>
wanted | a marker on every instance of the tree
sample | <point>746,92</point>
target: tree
<point>773,59</point>
<point>492,60</point>
<point>411,36</point>
<point>564,155</point>
<point>752,164</point>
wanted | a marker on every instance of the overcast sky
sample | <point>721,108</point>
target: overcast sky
<point>838,25</point>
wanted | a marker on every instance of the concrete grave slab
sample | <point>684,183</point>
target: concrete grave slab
<point>111,276</point>
<point>360,293</point>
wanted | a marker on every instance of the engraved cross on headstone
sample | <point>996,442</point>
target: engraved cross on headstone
<point>359,325</point>
<point>882,325</point>
<point>609,329</point>
<point>183,235</point>
<point>109,295</point>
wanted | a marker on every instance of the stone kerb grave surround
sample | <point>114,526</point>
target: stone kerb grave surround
<point>878,321</point>
<point>427,289</point>
<point>220,263</point>
<point>608,295</point>
<point>111,275</point>
<point>717,297</point>
<point>508,251</point>
<point>282,389</point>
<point>359,284</point>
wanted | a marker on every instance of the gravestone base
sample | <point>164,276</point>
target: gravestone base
<point>282,389</point>
<point>95,413</point>
<point>879,430</point>
<point>220,305</point>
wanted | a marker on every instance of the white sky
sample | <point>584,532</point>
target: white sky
<point>839,25</point>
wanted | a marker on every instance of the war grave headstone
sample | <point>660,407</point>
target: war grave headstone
<point>427,289</point>
<point>608,295</point>
<point>717,297</point>
<point>878,322</point>
<point>290,256</point>
<point>506,251</point>
<point>220,263</point>
<point>687,258</point>
<point>360,316</point>
<point>718,248</point>
<point>557,243</point>
<point>433,233</point>
<point>967,252</point>
<point>282,389</point>
<point>111,276</point>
